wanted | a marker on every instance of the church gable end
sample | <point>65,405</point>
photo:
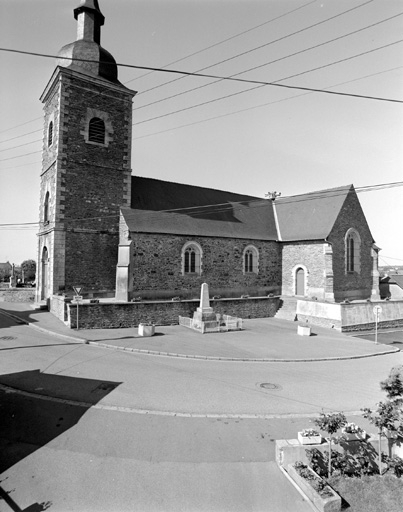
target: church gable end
<point>352,246</point>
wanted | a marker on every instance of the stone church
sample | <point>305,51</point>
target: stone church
<point>122,236</point>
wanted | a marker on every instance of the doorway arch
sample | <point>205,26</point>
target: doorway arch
<point>45,274</point>
<point>300,275</point>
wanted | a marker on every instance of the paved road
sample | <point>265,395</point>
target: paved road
<point>115,444</point>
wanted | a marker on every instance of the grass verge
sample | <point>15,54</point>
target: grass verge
<point>370,494</point>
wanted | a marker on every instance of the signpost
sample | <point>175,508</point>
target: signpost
<point>377,312</point>
<point>77,298</point>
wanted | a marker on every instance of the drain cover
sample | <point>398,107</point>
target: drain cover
<point>8,338</point>
<point>269,385</point>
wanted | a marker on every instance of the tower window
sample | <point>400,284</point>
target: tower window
<point>50,134</point>
<point>191,258</point>
<point>352,243</point>
<point>96,130</point>
<point>251,260</point>
<point>46,209</point>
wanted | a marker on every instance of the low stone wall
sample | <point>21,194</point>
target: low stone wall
<point>58,307</point>
<point>360,316</point>
<point>17,295</point>
<point>350,317</point>
<point>108,315</point>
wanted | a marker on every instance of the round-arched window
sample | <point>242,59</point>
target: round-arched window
<point>96,130</point>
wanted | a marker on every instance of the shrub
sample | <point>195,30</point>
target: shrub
<point>394,464</point>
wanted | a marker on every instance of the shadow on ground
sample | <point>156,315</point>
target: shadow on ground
<point>29,423</point>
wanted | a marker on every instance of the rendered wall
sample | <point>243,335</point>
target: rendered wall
<point>310,256</point>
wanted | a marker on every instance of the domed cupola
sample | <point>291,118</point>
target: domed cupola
<point>89,56</point>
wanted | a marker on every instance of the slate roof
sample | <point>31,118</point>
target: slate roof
<point>164,207</point>
<point>226,215</point>
<point>310,216</point>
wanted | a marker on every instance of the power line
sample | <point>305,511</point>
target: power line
<point>273,62</point>
<point>262,84</point>
<point>226,40</point>
<point>20,145</point>
<point>222,207</point>
<point>227,114</point>
<point>260,105</point>
<point>265,44</point>
<point>234,79</point>
<point>182,58</point>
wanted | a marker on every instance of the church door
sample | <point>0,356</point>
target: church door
<point>300,282</point>
<point>45,277</point>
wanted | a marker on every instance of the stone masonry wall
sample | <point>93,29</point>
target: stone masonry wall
<point>157,267</point>
<point>351,285</point>
<point>88,181</point>
<point>91,260</point>
<point>309,255</point>
<point>17,295</point>
<point>112,315</point>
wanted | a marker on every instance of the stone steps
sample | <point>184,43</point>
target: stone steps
<point>287,309</point>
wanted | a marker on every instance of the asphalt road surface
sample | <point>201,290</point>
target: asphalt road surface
<point>90,429</point>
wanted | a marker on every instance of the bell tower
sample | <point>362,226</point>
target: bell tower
<point>86,164</point>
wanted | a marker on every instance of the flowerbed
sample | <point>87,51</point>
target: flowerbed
<point>309,436</point>
<point>314,487</point>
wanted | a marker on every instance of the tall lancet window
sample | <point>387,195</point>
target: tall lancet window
<point>46,209</point>
<point>50,134</point>
<point>353,253</point>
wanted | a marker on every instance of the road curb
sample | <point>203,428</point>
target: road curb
<point>42,329</point>
<point>238,359</point>
<point>172,414</point>
<point>77,339</point>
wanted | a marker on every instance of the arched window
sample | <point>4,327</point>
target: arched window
<point>352,250</point>
<point>46,209</point>
<point>96,130</point>
<point>191,258</point>
<point>250,260</point>
<point>50,134</point>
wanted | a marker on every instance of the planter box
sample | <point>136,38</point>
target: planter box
<point>146,330</point>
<point>357,436</point>
<point>328,504</point>
<point>309,439</point>
<point>304,330</point>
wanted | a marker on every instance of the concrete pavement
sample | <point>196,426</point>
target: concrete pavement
<point>267,339</point>
<point>199,430</point>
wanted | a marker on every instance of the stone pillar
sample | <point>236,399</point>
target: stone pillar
<point>375,294</point>
<point>124,284</point>
<point>329,289</point>
<point>204,312</point>
<point>204,300</point>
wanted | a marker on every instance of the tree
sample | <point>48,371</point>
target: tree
<point>388,415</point>
<point>29,269</point>
<point>4,274</point>
<point>330,423</point>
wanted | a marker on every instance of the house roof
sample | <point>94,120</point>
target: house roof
<point>310,216</point>
<point>172,208</point>
<point>397,278</point>
<point>6,266</point>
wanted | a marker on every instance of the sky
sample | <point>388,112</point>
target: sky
<point>224,134</point>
